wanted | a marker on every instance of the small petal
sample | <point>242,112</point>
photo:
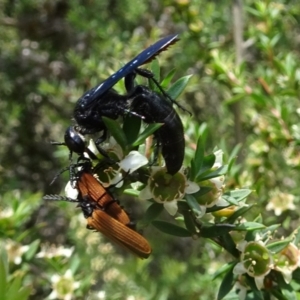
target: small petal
<point>117,181</point>
<point>171,207</point>
<point>191,187</point>
<point>218,181</point>
<point>287,275</point>
<point>53,295</point>
<point>241,245</point>
<point>133,161</point>
<point>92,146</point>
<point>219,159</point>
<point>55,278</point>
<point>17,260</point>
<point>221,202</point>
<point>114,148</point>
<point>239,269</point>
<point>259,281</point>
<point>145,194</point>
<point>202,211</point>
<point>70,191</point>
<point>242,291</point>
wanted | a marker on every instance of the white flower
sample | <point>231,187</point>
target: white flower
<point>63,286</point>
<point>167,189</point>
<point>256,261</point>
<point>110,147</point>
<point>53,251</point>
<point>214,196</point>
<point>130,163</point>
<point>133,161</point>
<point>287,261</point>
<point>281,202</point>
<point>15,251</point>
<point>242,290</point>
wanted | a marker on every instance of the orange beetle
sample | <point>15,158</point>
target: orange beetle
<point>90,187</point>
<point>104,214</point>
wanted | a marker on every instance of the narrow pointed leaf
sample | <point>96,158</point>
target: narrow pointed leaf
<point>177,88</point>
<point>197,161</point>
<point>171,229</point>
<point>215,230</point>
<point>226,285</point>
<point>194,205</point>
<point>278,246</point>
<point>131,127</point>
<point>3,276</point>
<point>32,249</point>
<point>168,79</point>
<point>153,211</point>
<point>240,212</point>
<point>189,222</point>
<point>224,269</point>
<point>150,129</point>
<point>249,226</point>
<point>116,131</point>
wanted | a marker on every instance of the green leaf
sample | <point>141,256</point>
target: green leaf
<point>215,230</point>
<point>286,291</point>
<point>271,229</point>
<point>278,295</point>
<point>249,226</point>
<point>3,276</point>
<point>203,190</point>
<point>74,263</point>
<point>233,156</point>
<point>168,79</point>
<point>13,288</point>
<point>131,127</point>
<point>296,275</point>
<point>177,88</point>
<point>235,196</point>
<point>171,229</point>
<point>155,69</point>
<point>189,222</point>
<point>238,213</point>
<point>150,129</point>
<point>224,269</point>
<point>296,235</point>
<point>197,161</point>
<point>212,174</point>
<point>235,99</point>
<point>258,295</point>
<point>228,244</point>
<point>194,205</point>
<point>278,246</point>
<point>227,284</point>
<point>32,249</point>
<point>23,293</point>
<point>208,162</point>
<point>230,200</point>
<point>238,195</point>
<point>131,192</point>
<point>153,211</point>
<point>260,99</point>
<point>116,131</point>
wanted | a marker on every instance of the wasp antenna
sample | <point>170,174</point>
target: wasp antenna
<point>58,174</point>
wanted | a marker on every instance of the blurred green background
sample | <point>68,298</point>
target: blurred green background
<point>244,57</point>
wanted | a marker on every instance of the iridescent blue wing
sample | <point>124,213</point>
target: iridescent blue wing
<point>144,57</point>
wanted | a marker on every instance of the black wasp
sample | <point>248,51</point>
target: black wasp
<point>170,137</point>
<point>103,100</point>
